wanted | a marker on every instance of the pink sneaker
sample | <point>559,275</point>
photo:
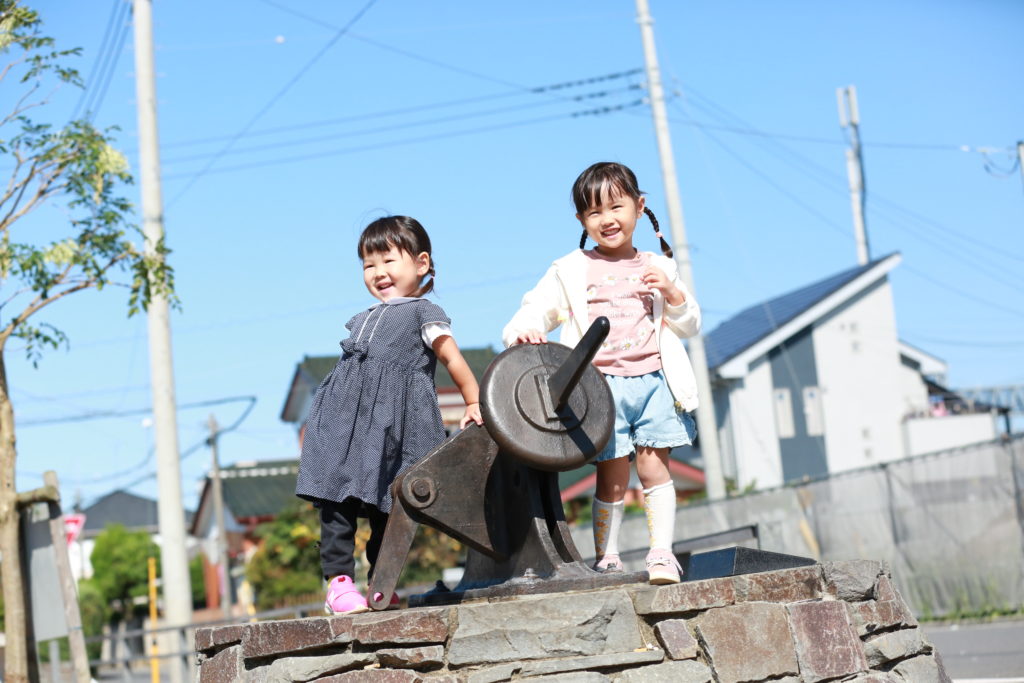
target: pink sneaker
<point>343,598</point>
<point>608,564</point>
<point>662,567</point>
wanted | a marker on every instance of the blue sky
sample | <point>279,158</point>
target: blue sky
<point>281,140</point>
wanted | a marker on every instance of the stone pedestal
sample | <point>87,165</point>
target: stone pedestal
<point>836,621</point>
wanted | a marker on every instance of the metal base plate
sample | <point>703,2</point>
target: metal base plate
<point>739,560</point>
<point>527,586</point>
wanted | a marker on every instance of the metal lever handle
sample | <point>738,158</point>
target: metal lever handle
<point>398,536</point>
<point>567,376</point>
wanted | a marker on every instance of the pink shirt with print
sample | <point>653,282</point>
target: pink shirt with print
<point>616,291</point>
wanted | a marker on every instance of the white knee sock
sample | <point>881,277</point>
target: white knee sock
<point>607,517</point>
<point>660,506</point>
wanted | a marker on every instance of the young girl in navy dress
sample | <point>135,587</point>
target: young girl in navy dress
<point>643,357</point>
<point>376,413</point>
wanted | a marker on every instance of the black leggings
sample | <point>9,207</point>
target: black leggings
<point>338,535</point>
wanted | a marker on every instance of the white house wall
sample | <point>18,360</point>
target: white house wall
<point>930,434</point>
<point>913,393</point>
<point>752,424</point>
<point>861,379</point>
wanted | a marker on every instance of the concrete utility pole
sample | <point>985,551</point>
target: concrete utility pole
<point>1020,158</point>
<point>706,424</point>
<point>173,561</point>
<point>849,117</point>
<point>218,518</point>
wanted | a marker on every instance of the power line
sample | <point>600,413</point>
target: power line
<point>518,91</point>
<point>273,100</point>
<point>106,414</point>
<point>192,449</point>
<point>107,63</point>
<point>960,292</point>
<point>818,173</point>
<point>413,124</point>
<point>827,221</point>
<point>600,111</point>
<point>1017,344</point>
<point>101,54</point>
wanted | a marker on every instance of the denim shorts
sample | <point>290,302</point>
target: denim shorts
<point>645,415</point>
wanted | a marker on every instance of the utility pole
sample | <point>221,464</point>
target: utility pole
<point>706,424</point>
<point>1020,158</point>
<point>850,118</point>
<point>173,561</point>
<point>218,518</point>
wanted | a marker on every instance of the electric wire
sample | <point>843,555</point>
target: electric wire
<point>599,111</point>
<point>100,55</point>
<point>908,268</point>
<point>415,109</point>
<point>274,99</point>
<point>95,95</point>
<point>184,454</point>
<point>820,174</point>
<point>106,414</point>
<point>400,126</point>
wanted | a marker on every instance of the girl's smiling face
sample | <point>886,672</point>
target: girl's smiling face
<point>611,222</point>
<point>394,273</point>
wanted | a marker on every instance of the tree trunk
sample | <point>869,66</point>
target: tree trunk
<point>16,652</point>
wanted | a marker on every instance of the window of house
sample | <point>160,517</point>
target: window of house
<point>783,402</point>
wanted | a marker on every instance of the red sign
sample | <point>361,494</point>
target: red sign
<point>73,523</point>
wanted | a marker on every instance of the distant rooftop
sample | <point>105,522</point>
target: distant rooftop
<point>752,324</point>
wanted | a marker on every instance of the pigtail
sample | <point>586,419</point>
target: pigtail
<point>428,286</point>
<point>665,249</point>
<point>583,240</point>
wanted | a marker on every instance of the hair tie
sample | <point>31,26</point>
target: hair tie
<point>657,233</point>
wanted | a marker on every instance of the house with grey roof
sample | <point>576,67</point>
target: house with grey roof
<point>312,369</point>
<point>135,513</point>
<point>817,381</point>
<point>252,493</point>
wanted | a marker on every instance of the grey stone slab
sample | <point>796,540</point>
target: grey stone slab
<point>748,642</point>
<point>297,669</point>
<point>674,635</point>
<point>687,671</point>
<point>582,624</point>
<point>574,677</point>
<point>553,666</point>
<point>852,580</point>
<point>827,647</point>
<point>921,669</point>
<point>895,645</point>
<point>426,657</point>
<point>492,674</point>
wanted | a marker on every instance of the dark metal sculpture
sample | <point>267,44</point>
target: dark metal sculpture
<point>495,488</point>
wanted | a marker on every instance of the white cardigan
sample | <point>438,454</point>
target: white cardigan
<point>561,297</point>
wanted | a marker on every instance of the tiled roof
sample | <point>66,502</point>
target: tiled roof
<point>260,488</point>
<point>122,507</point>
<point>317,367</point>
<point>749,326</point>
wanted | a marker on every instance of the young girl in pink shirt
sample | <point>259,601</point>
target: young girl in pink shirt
<point>643,358</point>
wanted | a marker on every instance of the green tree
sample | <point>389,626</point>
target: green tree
<point>95,613</point>
<point>287,563</point>
<point>198,580</point>
<point>73,166</point>
<point>120,565</point>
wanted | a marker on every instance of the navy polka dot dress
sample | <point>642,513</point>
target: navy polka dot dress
<point>376,413</point>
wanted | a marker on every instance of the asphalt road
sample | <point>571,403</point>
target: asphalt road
<point>980,651</point>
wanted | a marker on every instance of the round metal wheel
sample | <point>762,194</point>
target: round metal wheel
<point>520,414</point>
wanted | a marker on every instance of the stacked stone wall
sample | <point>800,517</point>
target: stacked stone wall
<point>841,621</point>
